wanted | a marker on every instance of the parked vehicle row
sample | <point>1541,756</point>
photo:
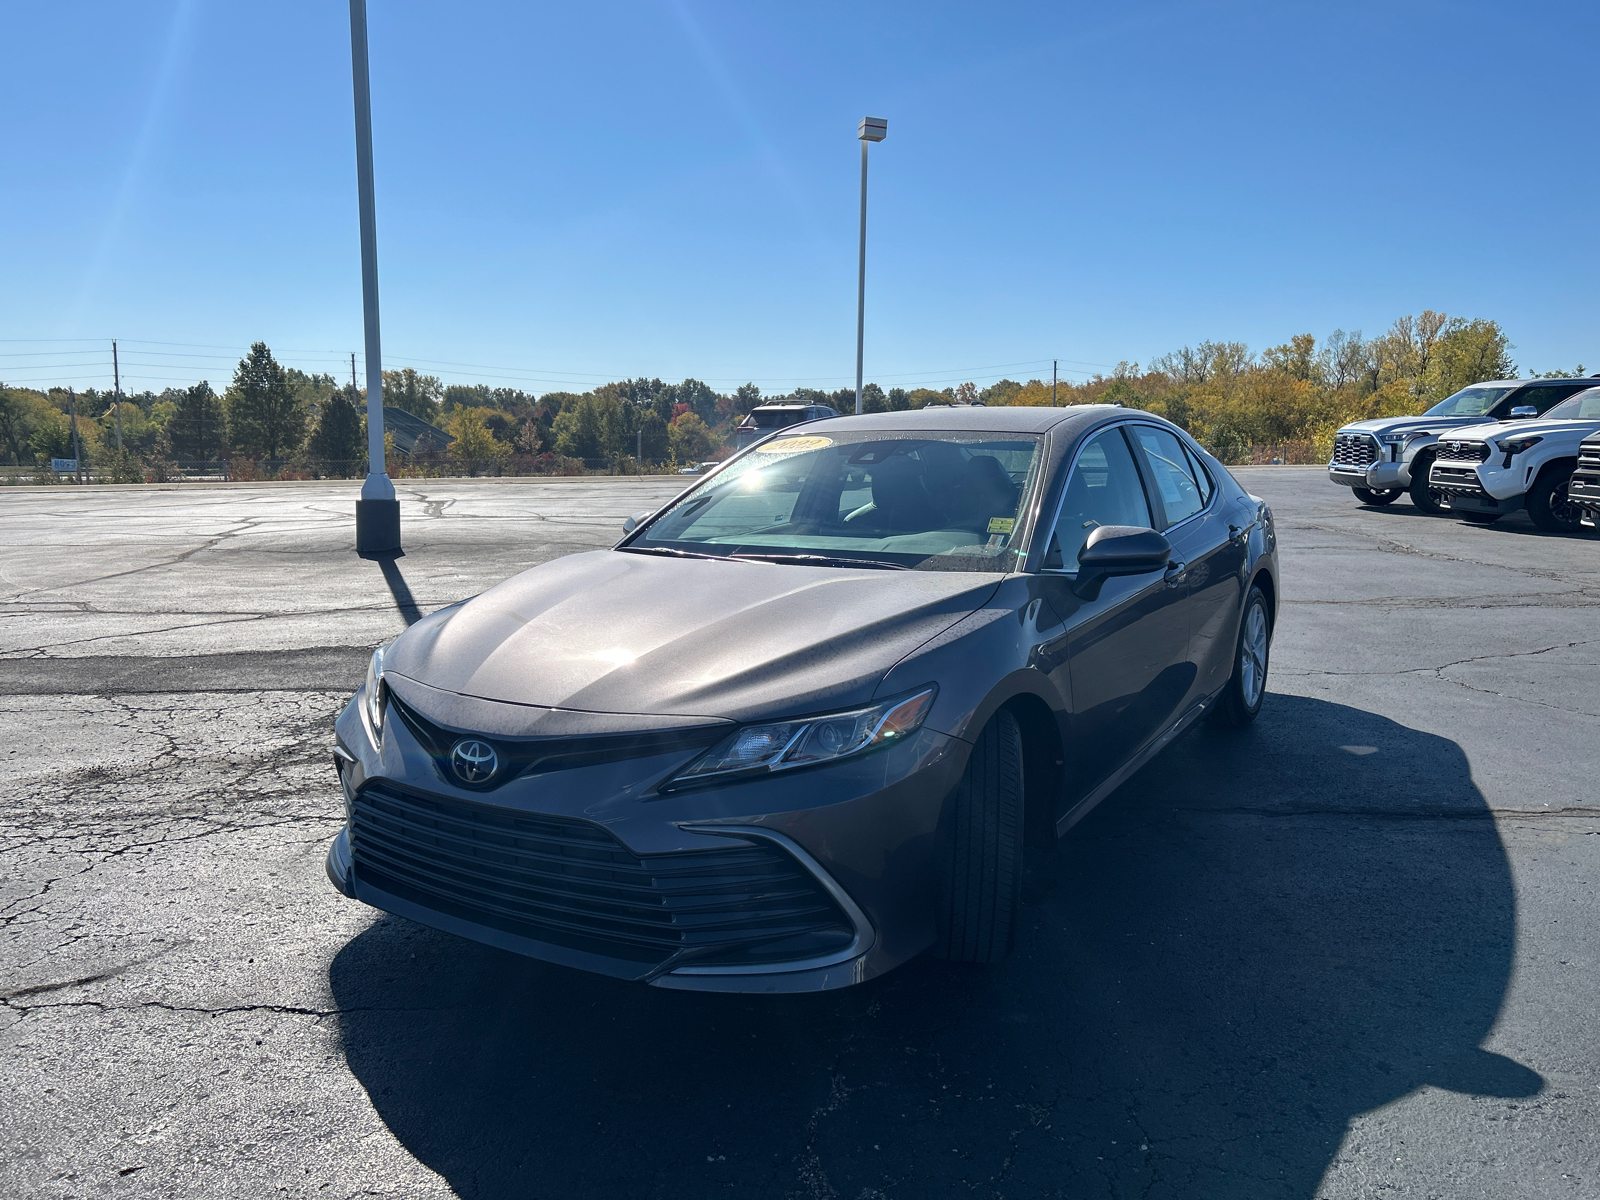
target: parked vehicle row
<point>1486,451</point>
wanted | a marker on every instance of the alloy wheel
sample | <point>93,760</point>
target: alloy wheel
<point>1253,656</point>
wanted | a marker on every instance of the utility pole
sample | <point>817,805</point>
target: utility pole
<point>871,129</point>
<point>378,510</point>
<point>354,389</point>
<point>639,457</point>
<point>1053,382</point>
<point>77,448</point>
<point>116,393</point>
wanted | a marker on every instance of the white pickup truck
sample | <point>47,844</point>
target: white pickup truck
<point>1490,470</point>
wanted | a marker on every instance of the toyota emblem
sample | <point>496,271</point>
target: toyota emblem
<point>473,761</point>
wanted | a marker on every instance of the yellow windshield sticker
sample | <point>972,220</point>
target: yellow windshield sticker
<point>795,445</point>
<point>1001,524</point>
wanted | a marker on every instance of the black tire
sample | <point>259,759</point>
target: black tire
<point>1478,518</point>
<point>1424,497</point>
<point>1548,506</point>
<point>1246,689</point>
<point>1377,498</point>
<point>982,882</point>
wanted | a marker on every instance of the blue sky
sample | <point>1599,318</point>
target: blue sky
<point>573,193</point>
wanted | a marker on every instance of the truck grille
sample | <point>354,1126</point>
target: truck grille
<point>1584,488</point>
<point>571,883</point>
<point>1463,451</point>
<point>1456,481</point>
<point>1354,450</point>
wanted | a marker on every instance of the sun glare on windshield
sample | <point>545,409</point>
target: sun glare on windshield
<point>947,501</point>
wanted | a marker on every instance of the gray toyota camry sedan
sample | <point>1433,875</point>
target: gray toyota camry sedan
<point>802,723</point>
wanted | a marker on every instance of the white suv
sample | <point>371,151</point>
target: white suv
<point>1488,471</point>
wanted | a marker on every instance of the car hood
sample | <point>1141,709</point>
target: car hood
<point>1411,424</point>
<point>613,632</point>
<point>1576,431</point>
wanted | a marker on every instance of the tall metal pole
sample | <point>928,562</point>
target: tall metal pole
<point>1053,363</point>
<point>116,393</point>
<point>378,511</point>
<point>77,447</point>
<point>861,279</point>
<point>871,129</point>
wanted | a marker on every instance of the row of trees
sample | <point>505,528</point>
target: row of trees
<point>1290,395</point>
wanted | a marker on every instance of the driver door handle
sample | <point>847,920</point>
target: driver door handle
<point>1176,574</point>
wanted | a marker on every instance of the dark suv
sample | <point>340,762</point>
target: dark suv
<point>1381,458</point>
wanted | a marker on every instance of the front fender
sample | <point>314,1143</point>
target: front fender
<point>981,662</point>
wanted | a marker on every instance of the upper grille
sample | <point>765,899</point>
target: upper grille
<point>571,883</point>
<point>1355,449</point>
<point>1589,456</point>
<point>1464,451</point>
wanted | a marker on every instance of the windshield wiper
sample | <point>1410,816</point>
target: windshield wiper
<point>668,551</point>
<point>823,560</point>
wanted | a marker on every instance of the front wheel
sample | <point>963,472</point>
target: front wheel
<point>1377,497</point>
<point>1427,499</point>
<point>1548,505</point>
<point>1478,518</point>
<point>982,880</point>
<point>1242,697</point>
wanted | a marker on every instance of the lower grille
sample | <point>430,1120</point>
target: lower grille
<point>1463,451</point>
<point>1460,481</point>
<point>571,883</point>
<point>1354,450</point>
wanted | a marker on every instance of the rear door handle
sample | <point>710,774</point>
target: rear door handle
<point>1237,535</point>
<point>1176,574</point>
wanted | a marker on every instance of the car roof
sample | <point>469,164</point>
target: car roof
<point>1591,380</point>
<point>1000,419</point>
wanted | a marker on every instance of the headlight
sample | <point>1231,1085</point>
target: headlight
<point>1513,446</point>
<point>782,745</point>
<point>372,691</point>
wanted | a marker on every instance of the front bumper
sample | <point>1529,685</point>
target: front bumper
<point>1485,487</point>
<point>860,833</point>
<point>1380,476</point>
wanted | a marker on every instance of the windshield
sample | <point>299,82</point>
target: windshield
<point>1468,402</point>
<point>944,501</point>
<point>1585,406</point>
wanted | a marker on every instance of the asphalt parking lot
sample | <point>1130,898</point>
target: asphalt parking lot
<point>1351,951</point>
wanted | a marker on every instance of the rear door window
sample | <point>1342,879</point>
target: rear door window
<point>1170,473</point>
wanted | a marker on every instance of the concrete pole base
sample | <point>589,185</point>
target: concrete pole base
<point>377,525</point>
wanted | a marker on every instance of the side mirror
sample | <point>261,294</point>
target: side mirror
<point>1523,410</point>
<point>1118,550</point>
<point>633,520</point>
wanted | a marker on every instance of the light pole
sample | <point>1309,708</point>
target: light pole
<point>871,129</point>
<point>378,511</point>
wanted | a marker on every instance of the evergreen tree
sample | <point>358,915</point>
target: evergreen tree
<point>266,418</point>
<point>336,441</point>
<point>196,429</point>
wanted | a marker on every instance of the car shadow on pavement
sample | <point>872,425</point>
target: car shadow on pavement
<point>1260,936</point>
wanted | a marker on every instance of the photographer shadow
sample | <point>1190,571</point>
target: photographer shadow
<point>1259,937</point>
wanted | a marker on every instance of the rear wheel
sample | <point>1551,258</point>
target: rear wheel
<point>982,883</point>
<point>1478,518</point>
<point>1548,505</point>
<point>1377,497</point>
<point>1429,500</point>
<point>1242,697</point>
